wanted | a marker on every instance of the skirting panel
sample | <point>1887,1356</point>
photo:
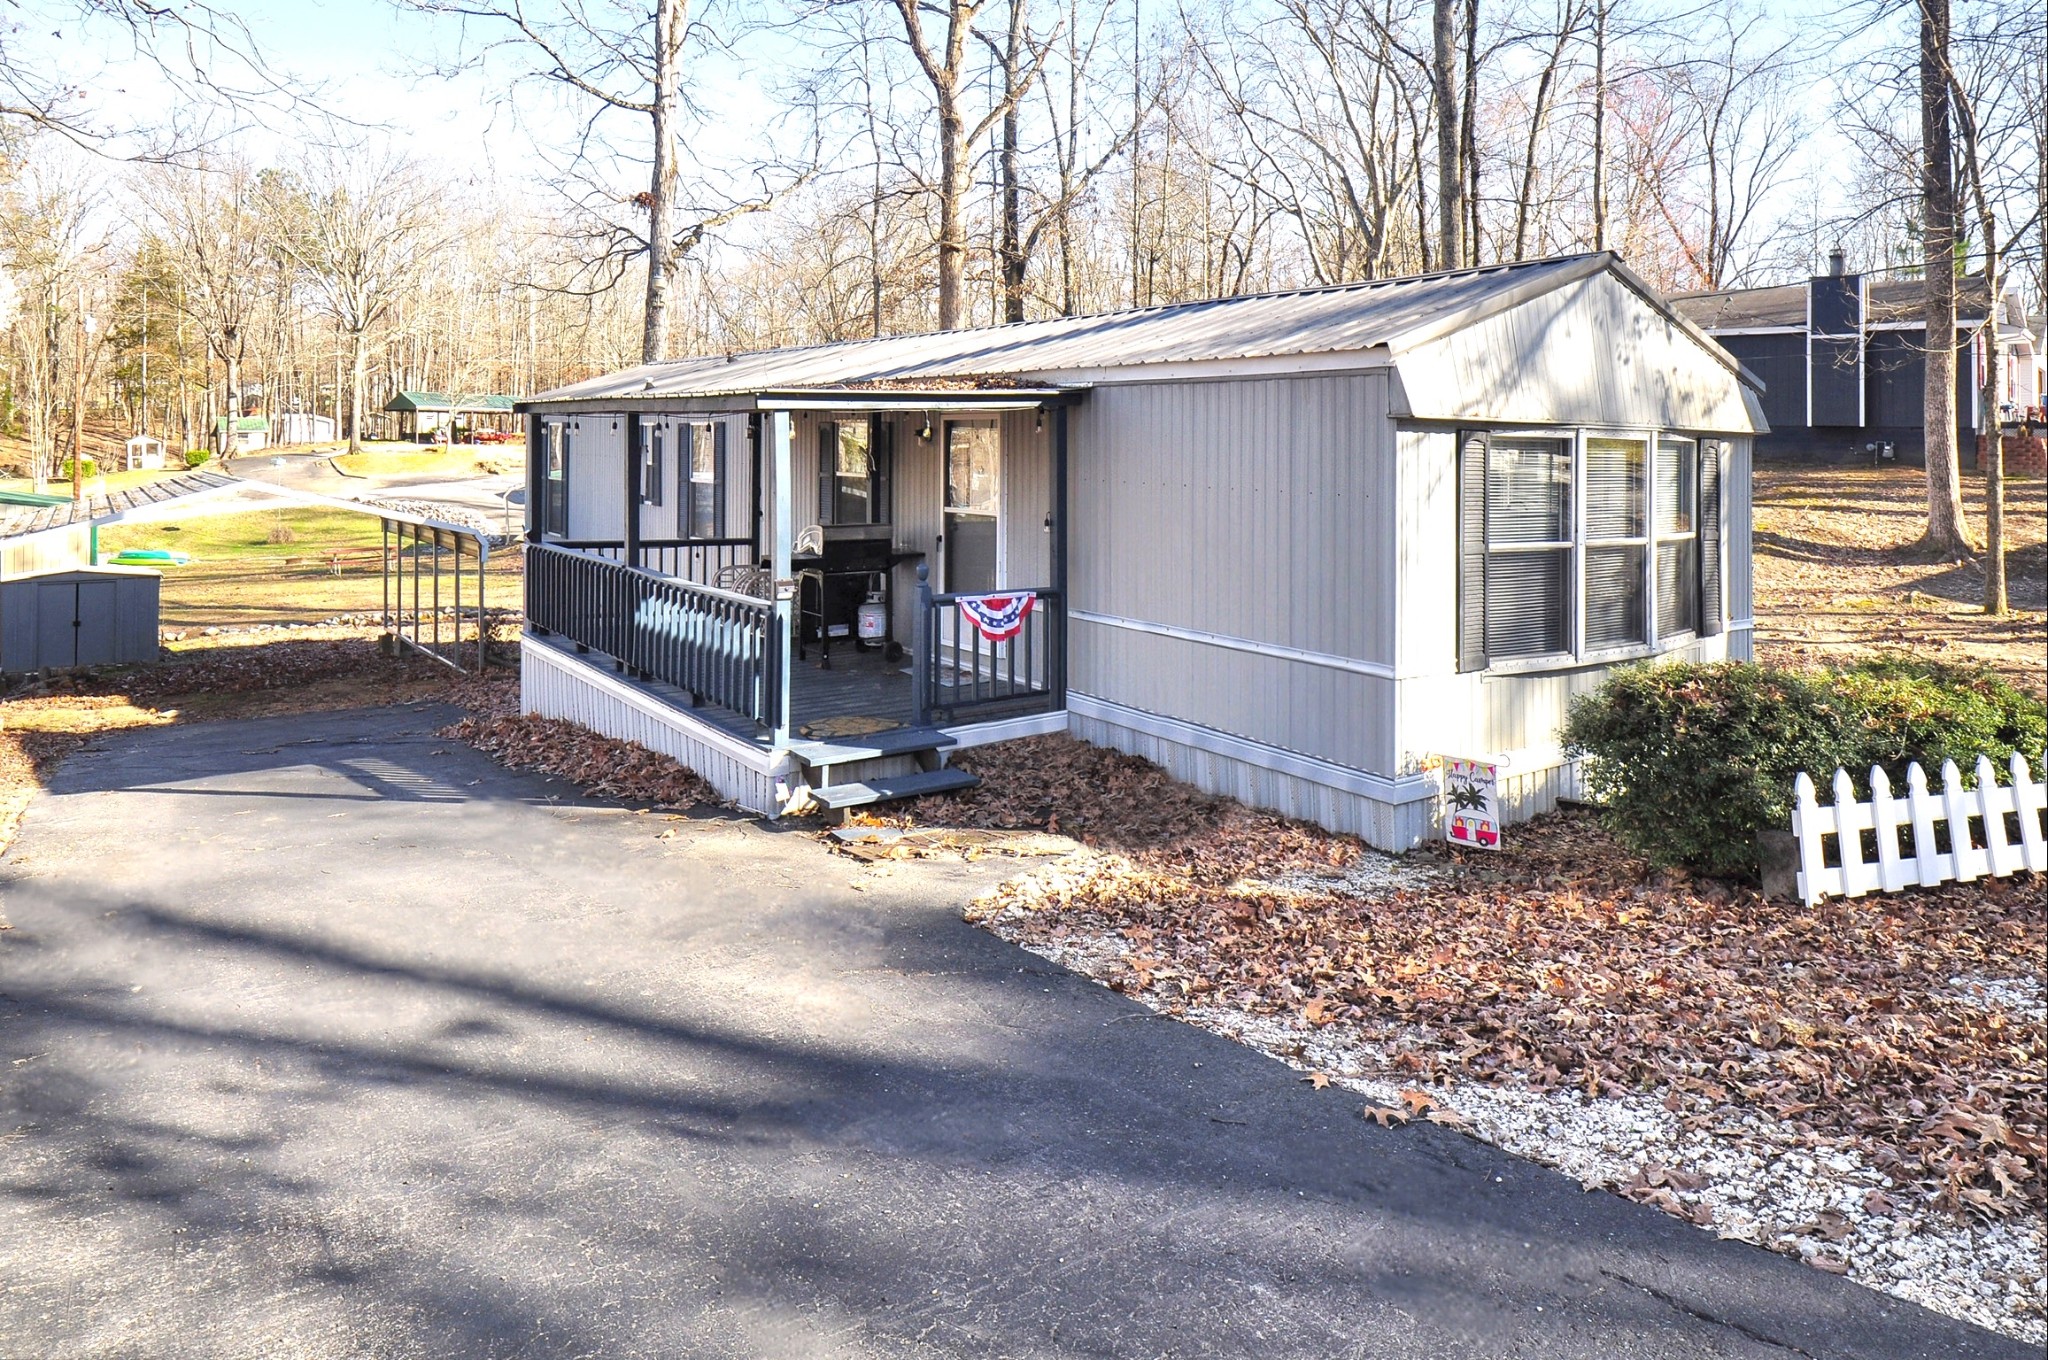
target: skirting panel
<point>553,685</point>
<point>1384,826</point>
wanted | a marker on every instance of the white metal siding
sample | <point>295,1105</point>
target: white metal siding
<point>1258,512</point>
<point>1592,352</point>
<point>554,685</point>
<point>597,477</point>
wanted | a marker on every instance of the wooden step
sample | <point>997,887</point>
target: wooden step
<point>895,742</point>
<point>887,790</point>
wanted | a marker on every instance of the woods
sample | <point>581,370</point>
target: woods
<point>704,177</point>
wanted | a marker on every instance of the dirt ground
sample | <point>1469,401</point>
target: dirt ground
<point>1839,576</point>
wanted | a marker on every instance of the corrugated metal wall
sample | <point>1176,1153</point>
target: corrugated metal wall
<point>597,477</point>
<point>96,617</point>
<point>50,550</point>
<point>1250,518</point>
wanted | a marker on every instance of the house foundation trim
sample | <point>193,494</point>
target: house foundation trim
<point>1404,790</point>
<point>1237,644</point>
<point>1009,729</point>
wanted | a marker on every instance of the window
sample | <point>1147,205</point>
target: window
<point>555,505</point>
<point>1575,547</point>
<point>1617,543</point>
<point>706,473</point>
<point>1678,562</point>
<point>653,437</point>
<point>853,473</point>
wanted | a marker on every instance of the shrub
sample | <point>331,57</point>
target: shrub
<point>89,465</point>
<point>1692,761</point>
<point>194,457</point>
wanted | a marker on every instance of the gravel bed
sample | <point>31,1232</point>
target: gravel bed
<point>1743,1176</point>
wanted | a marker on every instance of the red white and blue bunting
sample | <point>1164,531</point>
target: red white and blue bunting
<point>998,617</point>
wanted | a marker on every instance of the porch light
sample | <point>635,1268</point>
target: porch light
<point>926,432</point>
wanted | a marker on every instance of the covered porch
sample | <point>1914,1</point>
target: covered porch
<point>855,580</point>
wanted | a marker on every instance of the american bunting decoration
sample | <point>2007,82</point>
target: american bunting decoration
<point>998,617</point>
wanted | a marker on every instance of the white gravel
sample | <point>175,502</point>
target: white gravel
<point>1749,1177</point>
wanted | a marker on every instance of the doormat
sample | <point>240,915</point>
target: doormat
<point>851,726</point>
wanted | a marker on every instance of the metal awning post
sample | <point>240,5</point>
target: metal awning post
<point>781,531</point>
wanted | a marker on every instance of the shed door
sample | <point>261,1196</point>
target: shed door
<point>972,526</point>
<point>56,624</point>
<point>97,604</point>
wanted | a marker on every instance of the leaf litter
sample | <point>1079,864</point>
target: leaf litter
<point>1839,1083</point>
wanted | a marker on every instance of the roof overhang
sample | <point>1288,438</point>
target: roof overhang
<point>821,399</point>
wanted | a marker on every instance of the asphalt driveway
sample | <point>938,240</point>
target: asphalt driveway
<point>326,1037</point>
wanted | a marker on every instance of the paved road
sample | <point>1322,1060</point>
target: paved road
<point>325,1037</point>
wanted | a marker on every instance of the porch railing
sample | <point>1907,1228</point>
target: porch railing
<point>717,645</point>
<point>966,670</point>
<point>696,560</point>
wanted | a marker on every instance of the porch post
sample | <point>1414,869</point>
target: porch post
<point>631,536</point>
<point>777,437</point>
<point>1058,660</point>
<point>536,475</point>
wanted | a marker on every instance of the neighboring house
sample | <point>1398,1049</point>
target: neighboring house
<point>252,433</point>
<point>1293,547</point>
<point>431,416</point>
<point>1841,357</point>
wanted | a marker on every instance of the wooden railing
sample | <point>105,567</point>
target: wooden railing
<point>960,674</point>
<point>696,560</point>
<point>719,646</point>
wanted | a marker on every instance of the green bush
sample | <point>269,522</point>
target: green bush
<point>90,465</point>
<point>1692,761</point>
<point>194,457</point>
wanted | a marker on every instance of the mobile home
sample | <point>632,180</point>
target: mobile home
<point>1295,547</point>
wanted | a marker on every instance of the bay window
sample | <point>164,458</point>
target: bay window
<point>1584,546</point>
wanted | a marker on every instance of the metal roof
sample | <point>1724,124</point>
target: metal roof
<point>1784,305</point>
<point>441,401</point>
<point>1385,315</point>
<point>33,514</point>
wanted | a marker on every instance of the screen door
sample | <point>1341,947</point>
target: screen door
<point>971,519</point>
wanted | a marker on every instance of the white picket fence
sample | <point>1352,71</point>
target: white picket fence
<point>1920,811</point>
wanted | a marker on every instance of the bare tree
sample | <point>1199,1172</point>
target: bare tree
<point>1450,169</point>
<point>369,234</point>
<point>628,59</point>
<point>211,218</point>
<point>946,67</point>
<point>1947,532</point>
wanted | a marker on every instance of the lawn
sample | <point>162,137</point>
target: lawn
<point>1838,575</point>
<point>238,576</point>
<point>411,460</point>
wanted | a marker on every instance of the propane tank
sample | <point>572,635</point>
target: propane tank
<point>871,620</point>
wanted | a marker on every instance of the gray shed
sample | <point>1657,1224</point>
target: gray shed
<point>1295,547</point>
<point>94,616</point>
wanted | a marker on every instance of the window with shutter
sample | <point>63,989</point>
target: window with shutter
<point>1580,547</point>
<point>1677,534</point>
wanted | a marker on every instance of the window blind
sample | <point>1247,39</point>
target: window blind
<point>1527,603</point>
<point>1528,491</point>
<point>1614,488</point>
<point>1614,596</point>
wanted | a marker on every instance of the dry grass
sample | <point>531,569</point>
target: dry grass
<point>1839,574</point>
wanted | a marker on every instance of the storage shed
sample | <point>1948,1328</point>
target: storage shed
<point>1295,547</point>
<point>95,616</point>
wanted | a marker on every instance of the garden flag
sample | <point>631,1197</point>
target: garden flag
<point>1471,816</point>
<point>998,617</point>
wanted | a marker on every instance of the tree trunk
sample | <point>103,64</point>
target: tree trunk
<point>1468,132</point>
<point>1947,532</point>
<point>1600,124</point>
<point>671,18</point>
<point>1014,262</point>
<point>355,392</point>
<point>953,187</point>
<point>1450,172</point>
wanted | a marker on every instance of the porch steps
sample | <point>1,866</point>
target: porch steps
<point>897,742</point>
<point>889,788</point>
